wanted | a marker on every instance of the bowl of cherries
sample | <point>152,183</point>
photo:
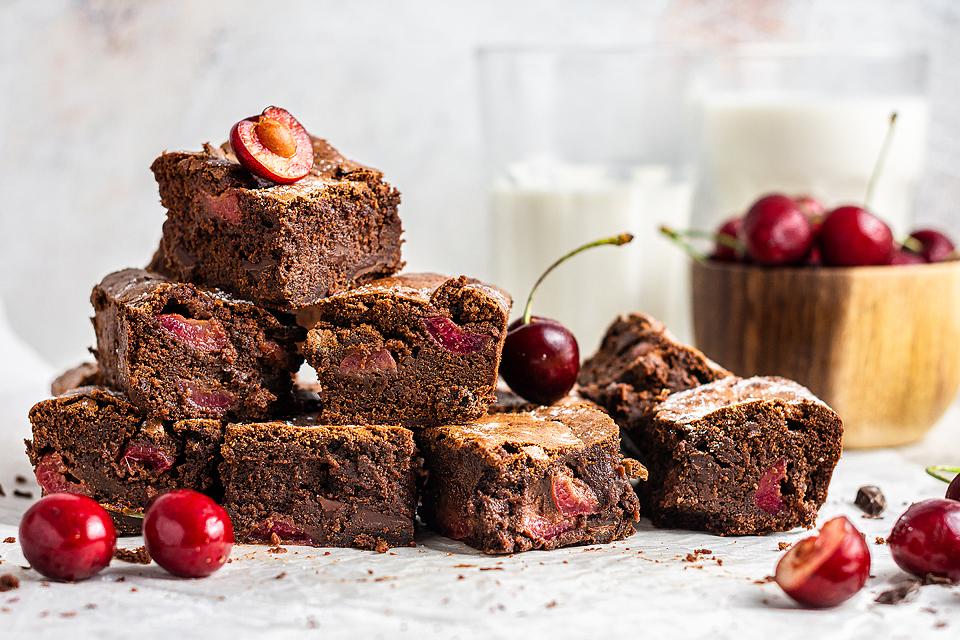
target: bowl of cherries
<point>830,298</point>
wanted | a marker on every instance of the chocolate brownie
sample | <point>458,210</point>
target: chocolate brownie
<point>282,246</point>
<point>320,485</point>
<point>639,364</point>
<point>94,442</point>
<point>416,350</point>
<point>179,351</point>
<point>738,457</point>
<point>86,374</point>
<point>540,479</point>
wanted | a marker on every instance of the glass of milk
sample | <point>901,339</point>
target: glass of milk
<point>584,144</point>
<point>808,120</point>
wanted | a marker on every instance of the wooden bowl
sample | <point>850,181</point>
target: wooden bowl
<point>881,345</point>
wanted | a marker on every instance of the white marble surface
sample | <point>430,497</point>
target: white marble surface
<point>94,89</point>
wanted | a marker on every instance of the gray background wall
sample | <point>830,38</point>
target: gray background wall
<point>92,91</point>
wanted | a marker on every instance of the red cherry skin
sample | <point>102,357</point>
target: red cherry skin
<point>254,154</point>
<point>926,539</point>
<point>812,208</point>
<point>953,491</point>
<point>776,232</point>
<point>827,569</point>
<point>851,236</point>
<point>935,246</point>
<point>67,537</point>
<point>731,229</point>
<point>541,360</point>
<point>187,533</point>
<point>903,257</point>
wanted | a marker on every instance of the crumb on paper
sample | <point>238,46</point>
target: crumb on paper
<point>551,605</point>
<point>19,479</point>
<point>280,576</point>
<point>382,546</point>
<point>20,493</point>
<point>8,582</point>
<point>880,540</point>
<point>9,539</point>
<point>783,546</point>
<point>137,555</point>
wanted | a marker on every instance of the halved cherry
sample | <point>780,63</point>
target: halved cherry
<point>827,569</point>
<point>273,146</point>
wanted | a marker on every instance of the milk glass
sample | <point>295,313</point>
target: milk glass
<point>584,144</point>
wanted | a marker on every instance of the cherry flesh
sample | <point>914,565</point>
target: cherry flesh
<point>541,360</point>
<point>273,145</point>
<point>729,229</point>
<point>934,245</point>
<point>67,537</point>
<point>187,533</point>
<point>851,236</point>
<point>775,231</point>
<point>827,569</point>
<point>926,539</point>
<point>953,491</point>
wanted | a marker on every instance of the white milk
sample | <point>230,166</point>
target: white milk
<point>541,210</point>
<point>824,146</point>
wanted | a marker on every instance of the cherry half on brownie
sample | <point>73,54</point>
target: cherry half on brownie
<point>273,145</point>
<point>541,358</point>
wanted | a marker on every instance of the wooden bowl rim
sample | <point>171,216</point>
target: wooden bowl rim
<point>882,271</point>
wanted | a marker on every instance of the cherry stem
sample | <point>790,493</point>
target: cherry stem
<point>936,470</point>
<point>724,239</point>
<point>881,159</point>
<point>912,244</point>
<point>678,238</point>
<point>616,241</point>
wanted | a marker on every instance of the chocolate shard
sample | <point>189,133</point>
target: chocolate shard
<point>871,500</point>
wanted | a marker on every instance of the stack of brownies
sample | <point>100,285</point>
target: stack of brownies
<point>194,384</point>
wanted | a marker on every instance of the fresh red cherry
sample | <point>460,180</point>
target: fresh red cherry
<point>187,533</point>
<point>775,231</point>
<point>273,145</point>
<point>851,236</point>
<point>926,539</point>
<point>934,245</point>
<point>67,537</point>
<point>953,491</point>
<point>826,569</point>
<point>541,358</point>
<point>904,257</point>
<point>726,236</point>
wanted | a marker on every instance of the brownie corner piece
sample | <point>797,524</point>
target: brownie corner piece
<point>639,363</point>
<point>283,246</point>
<point>179,351</point>
<point>416,350</point>
<point>739,457</point>
<point>92,441</point>
<point>307,483</point>
<point>539,479</point>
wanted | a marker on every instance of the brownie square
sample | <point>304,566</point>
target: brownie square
<point>415,350</point>
<point>282,246</point>
<point>320,485</point>
<point>738,457</point>
<point>94,442</point>
<point>540,479</point>
<point>639,363</point>
<point>178,351</point>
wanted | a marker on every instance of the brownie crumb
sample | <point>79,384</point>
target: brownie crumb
<point>551,604</point>
<point>783,546</point>
<point>8,582</point>
<point>382,546</point>
<point>139,555</point>
<point>19,479</point>
<point>20,493</point>
<point>280,576</point>
<point>764,580</point>
<point>120,579</point>
<point>9,540</point>
<point>2,492</point>
<point>90,605</point>
<point>902,592</point>
<point>871,500</point>
<point>68,614</point>
<point>880,540</point>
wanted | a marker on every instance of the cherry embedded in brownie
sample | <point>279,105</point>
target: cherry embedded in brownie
<point>539,479</point>
<point>639,363</point>
<point>415,350</point>
<point>93,441</point>
<point>738,457</point>
<point>282,246</point>
<point>178,351</point>
<point>314,484</point>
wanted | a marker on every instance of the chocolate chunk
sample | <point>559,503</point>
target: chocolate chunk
<point>902,592</point>
<point>871,500</point>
